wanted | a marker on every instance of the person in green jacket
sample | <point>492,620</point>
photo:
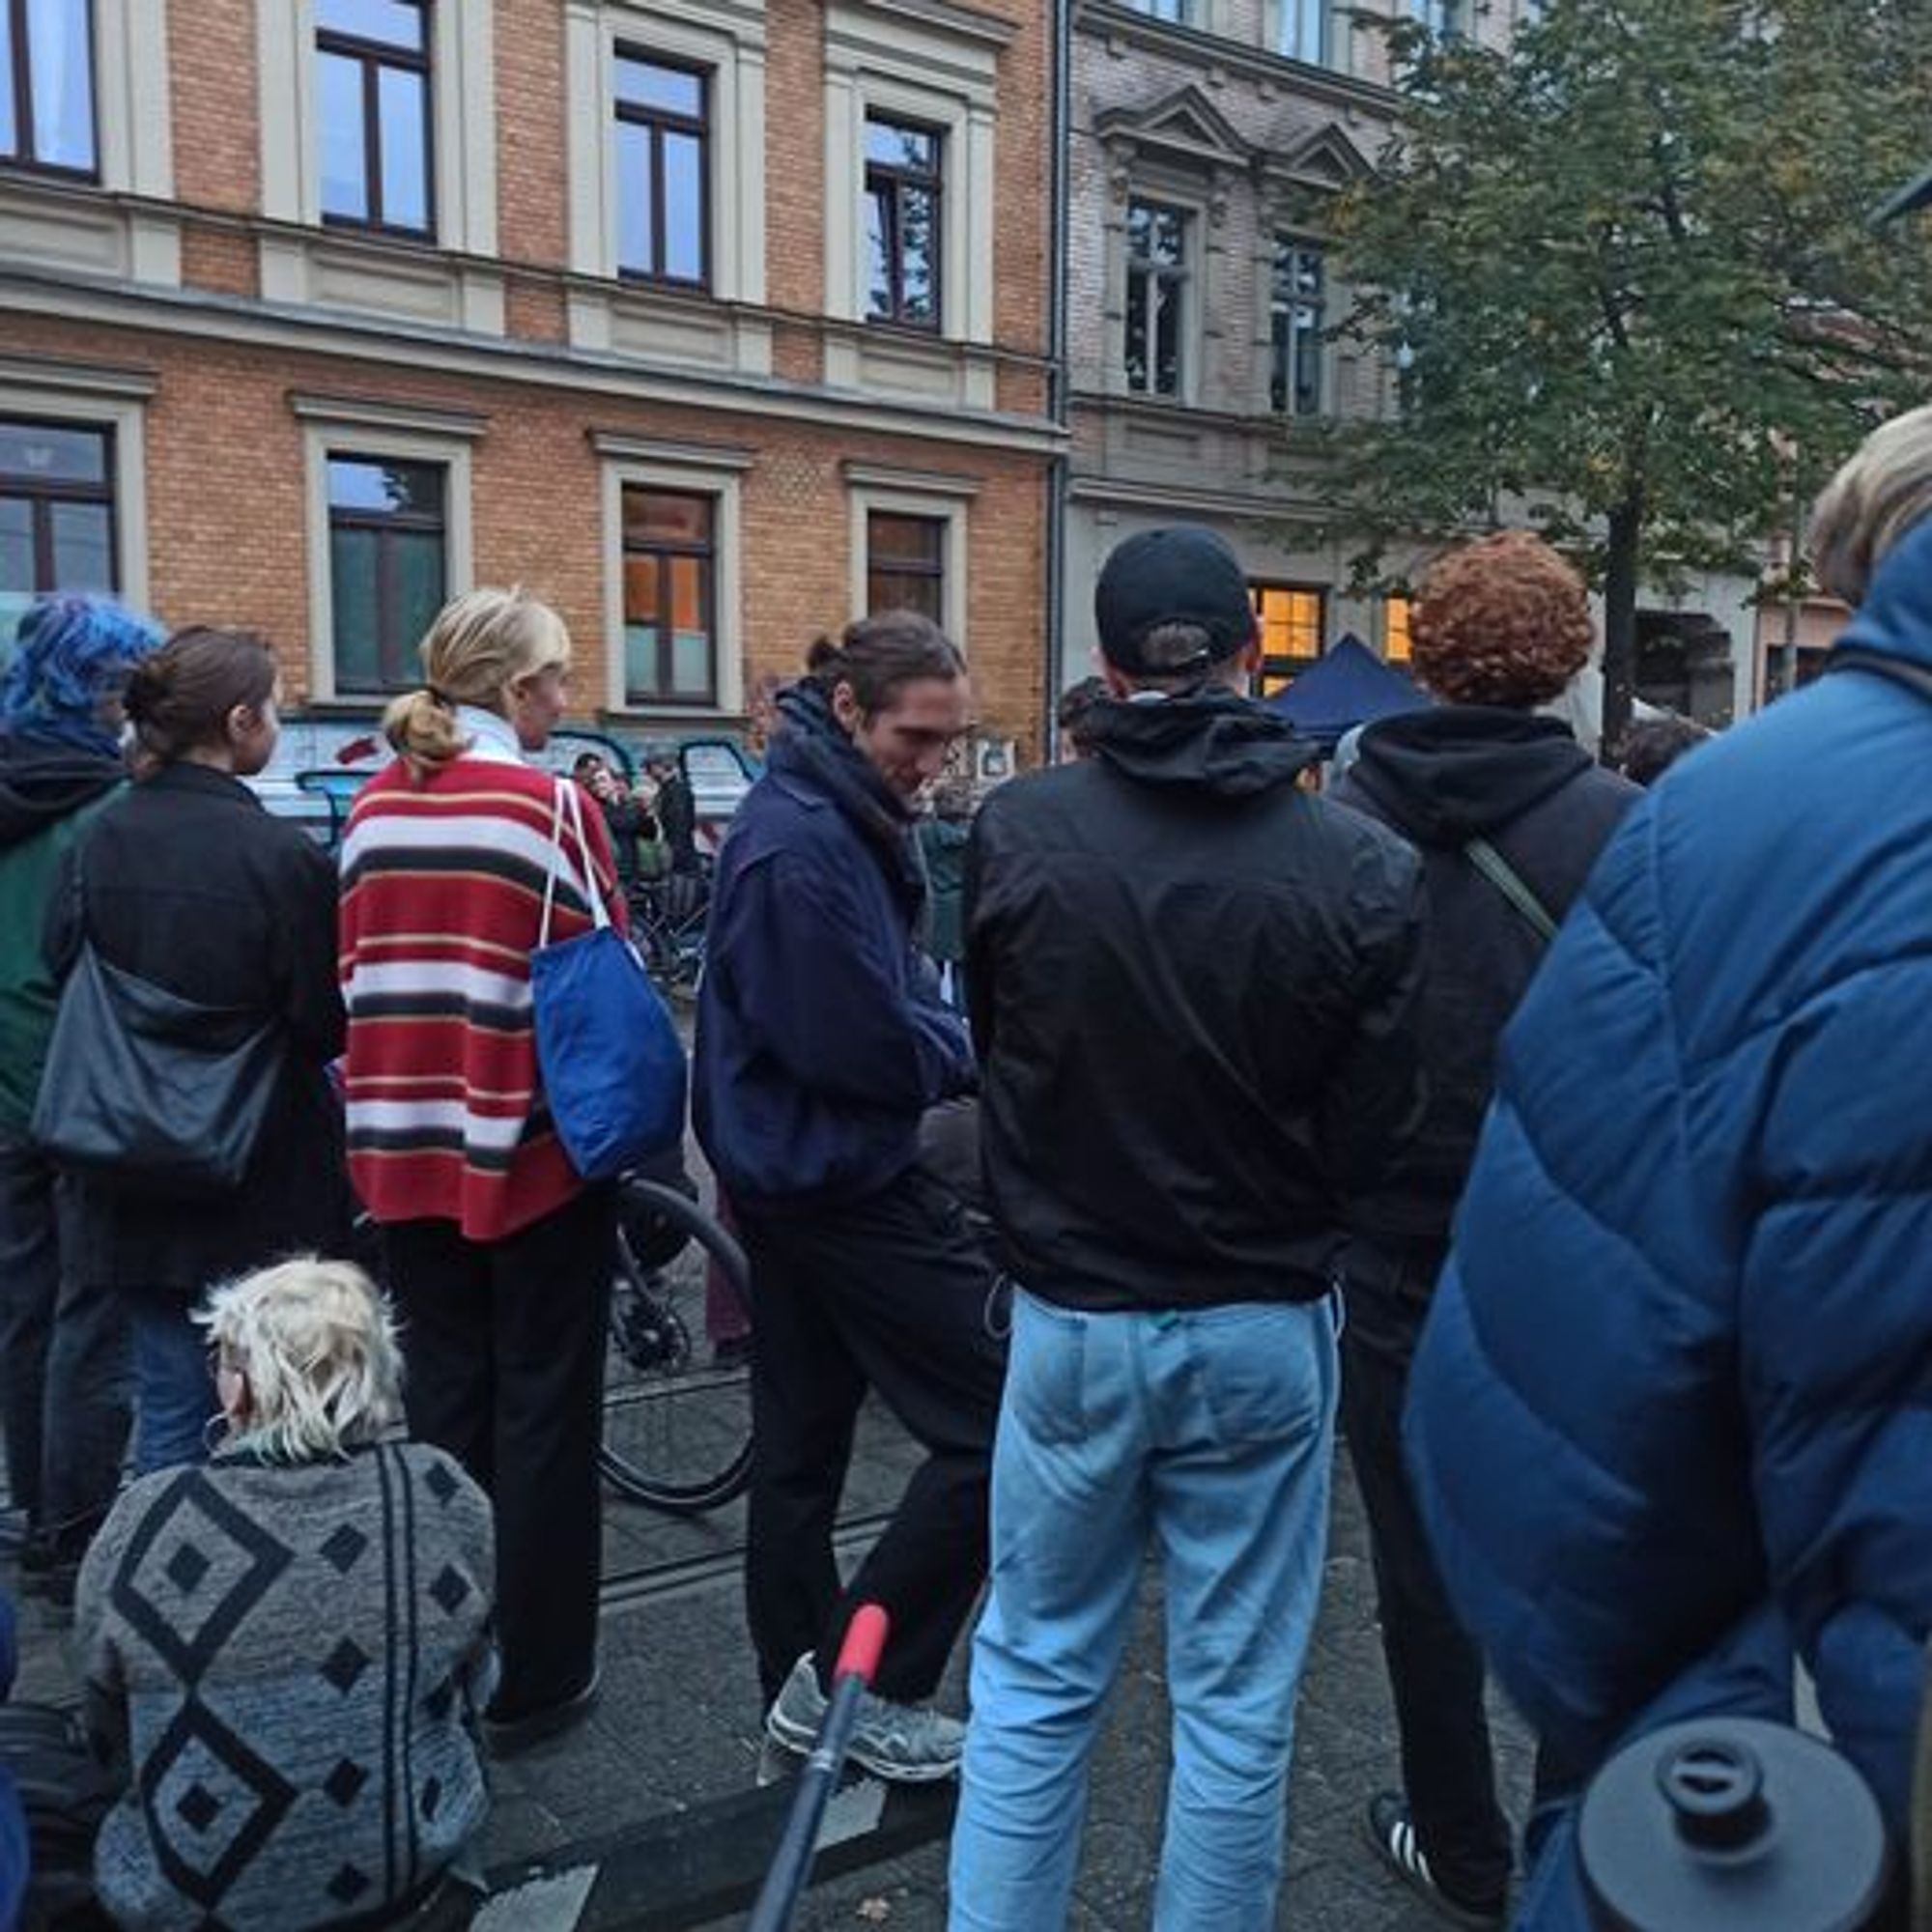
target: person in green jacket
<point>942,839</point>
<point>64,1371</point>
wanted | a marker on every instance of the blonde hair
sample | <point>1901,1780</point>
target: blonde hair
<point>479,644</point>
<point>1881,493</point>
<point>317,1343</point>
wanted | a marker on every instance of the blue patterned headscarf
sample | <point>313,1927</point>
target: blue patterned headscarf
<point>70,653</point>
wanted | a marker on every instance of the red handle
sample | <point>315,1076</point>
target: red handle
<point>865,1639</point>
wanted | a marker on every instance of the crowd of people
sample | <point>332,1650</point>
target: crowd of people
<point>1125,1133</point>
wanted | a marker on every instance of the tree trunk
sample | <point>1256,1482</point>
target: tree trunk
<point>1620,573</point>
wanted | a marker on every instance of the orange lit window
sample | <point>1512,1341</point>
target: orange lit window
<point>1395,629</point>
<point>1293,622</point>
<point>669,594</point>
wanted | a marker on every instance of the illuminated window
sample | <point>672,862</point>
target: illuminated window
<point>1395,629</point>
<point>1294,620</point>
<point>670,598</point>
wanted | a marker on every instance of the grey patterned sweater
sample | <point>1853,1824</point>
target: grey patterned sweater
<point>286,1662</point>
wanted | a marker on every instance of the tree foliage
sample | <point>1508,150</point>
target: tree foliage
<point>1625,272</point>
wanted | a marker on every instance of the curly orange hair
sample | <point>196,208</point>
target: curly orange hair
<point>1504,620</point>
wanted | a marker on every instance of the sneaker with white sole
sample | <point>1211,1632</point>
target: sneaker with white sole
<point>904,1744</point>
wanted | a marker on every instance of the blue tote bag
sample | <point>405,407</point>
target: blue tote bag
<point>612,1066</point>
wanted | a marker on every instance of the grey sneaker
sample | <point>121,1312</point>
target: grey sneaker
<point>904,1744</point>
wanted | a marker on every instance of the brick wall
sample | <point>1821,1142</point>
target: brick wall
<point>227,532</point>
<point>212,100</point>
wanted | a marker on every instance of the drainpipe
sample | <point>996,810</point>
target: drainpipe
<point>1056,376</point>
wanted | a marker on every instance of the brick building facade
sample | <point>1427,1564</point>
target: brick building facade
<point>715,322</point>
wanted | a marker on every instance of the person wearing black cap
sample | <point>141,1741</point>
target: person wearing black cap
<point>1190,984</point>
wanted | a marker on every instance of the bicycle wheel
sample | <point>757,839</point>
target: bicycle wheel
<point>677,1389</point>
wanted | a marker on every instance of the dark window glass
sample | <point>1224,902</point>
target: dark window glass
<point>905,564</point>
<point>56,513</point>
<point>46,79</point>
<point>1157,298</point>
<point>1296,314</point>
<point>373,84</point>
<point>670,631</point>
<point>663,134</point>
<point>904,189</point>
<point>388,546</point>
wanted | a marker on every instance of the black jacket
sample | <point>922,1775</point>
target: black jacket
<point>1441,778</point>
<point>1190,984</point>
<point>190,883</point>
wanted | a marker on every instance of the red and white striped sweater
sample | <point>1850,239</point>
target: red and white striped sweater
<point>442,886</point>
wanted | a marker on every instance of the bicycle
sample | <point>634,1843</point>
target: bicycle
<point>669,918</point>
<point>678,1396</point>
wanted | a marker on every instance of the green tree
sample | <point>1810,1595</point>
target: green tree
<point>1624,272</point>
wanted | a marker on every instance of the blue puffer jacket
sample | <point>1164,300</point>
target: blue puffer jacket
<point>1676,1389</point>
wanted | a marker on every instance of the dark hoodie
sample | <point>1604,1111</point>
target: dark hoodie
<point>1441,778</point>
<point>821,1036</point>
<point>1190,982</point>
<point>47,789</point>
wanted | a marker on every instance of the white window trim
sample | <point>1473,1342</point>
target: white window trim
<point>380,432</point>
<point>727,37</point>
<point>690,472</point>
<point>880,59</point>
<point>463,95</point>
<point>941,501</point>
<point>107,399</point>
<point>1193,307</point>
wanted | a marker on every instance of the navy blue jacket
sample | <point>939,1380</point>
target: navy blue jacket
<point>13,1820</point>
<point>821,1035</point>
<point>1676,1389</point>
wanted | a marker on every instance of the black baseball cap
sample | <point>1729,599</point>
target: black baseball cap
<point>1182,575</point>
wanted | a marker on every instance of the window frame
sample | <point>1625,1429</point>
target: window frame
<point>659,121</point>
<point>373,56</point>
<point>1292,18</point>
<point>900,180</point>
<point>378,432</point>
<point>942,499</point>
<point>935,572</point>
<point>1277,671</point>
<point>682,469</point>
<point>1394,627</point>
<point>22,159</point>
<point>1283,309</point>
<point>664,697</point>
<point>1180,278</point>
<point>41,496</point>
<point>383,525</point>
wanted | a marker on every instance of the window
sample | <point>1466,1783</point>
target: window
<point>905,564</point>
<point>663,175</point>
<point>1161,9</point>
<point>1395,629</point>
<point>670,597</point>
<point>1304,30</point>
<point>56,513</point>
<point>1438,15</point>
<point>1295,318</point>
<point>1156,294</point>
<point>46,85</point>
<point>902,215</point>
<point>387,567</point>
<point>372,90</point>
<point>1292,621</point>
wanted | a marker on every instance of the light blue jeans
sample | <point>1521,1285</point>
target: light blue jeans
<point>175,1402</point>
<point>1207,1433</point>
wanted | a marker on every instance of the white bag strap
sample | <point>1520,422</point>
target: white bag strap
<point>570,806</point>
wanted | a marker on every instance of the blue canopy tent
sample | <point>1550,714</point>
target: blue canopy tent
<point>1347,686</point>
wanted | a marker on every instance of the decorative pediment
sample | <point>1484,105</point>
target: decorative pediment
<point>1184,128</point>
<point>1327,160</point>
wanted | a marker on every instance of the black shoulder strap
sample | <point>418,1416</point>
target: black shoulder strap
<point>1509,882</point>
<point>1852,657</point>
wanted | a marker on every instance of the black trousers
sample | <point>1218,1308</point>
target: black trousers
<point>504,1343</point>
<point>891,1294</point>
<point>1434,1669</point>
